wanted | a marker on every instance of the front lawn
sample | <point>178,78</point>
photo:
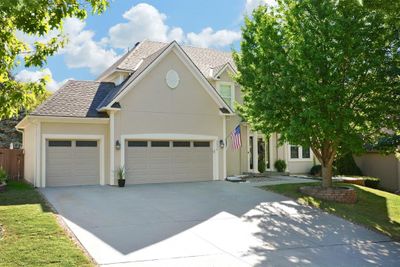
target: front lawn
<point>30,234</point>
<point>374,209</point>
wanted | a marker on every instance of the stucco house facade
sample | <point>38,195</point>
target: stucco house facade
<point>163,111</point>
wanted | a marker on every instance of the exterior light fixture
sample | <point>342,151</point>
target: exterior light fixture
<point>117,145</point>
<point>221,143</point>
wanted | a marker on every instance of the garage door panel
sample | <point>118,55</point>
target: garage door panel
<point>73,165</point>
<point>176,163</point>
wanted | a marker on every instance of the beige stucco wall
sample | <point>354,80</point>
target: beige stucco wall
<point>385,167</point>
<point>295,166</point>
<point>29,143</point>
<point>300,167</point>
<point>81,129</point>
<point>151,107</point>
<point>237,159</point>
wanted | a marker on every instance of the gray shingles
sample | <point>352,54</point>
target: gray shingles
<point>76,99</point>
<point>204,58</point>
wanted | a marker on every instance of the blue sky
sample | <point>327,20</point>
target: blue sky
<point>98,41</point>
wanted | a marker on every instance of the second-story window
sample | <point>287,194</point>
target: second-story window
<point>226,90</point>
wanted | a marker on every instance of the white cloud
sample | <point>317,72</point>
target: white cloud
<point>252,4</point>
<point>82,51</point>
<point>209,38</point>
<point>144,22</point>
<point>34,76</point>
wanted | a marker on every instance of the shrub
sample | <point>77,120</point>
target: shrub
<point>261,165</point>
<point>316,170</point>
<point>280,165</point>
<point>371,182</point>
<point>345,165</point>
<point>3,175</point>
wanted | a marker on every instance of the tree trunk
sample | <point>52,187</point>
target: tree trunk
<point>327,174</point>
<point>326,155</point>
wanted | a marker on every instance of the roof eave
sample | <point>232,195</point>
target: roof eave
<point>66,119</point>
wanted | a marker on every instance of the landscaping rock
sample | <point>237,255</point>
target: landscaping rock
<point>338,194</point>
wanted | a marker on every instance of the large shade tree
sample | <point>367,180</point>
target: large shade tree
<point>33,18</point>
<point>323,74</point>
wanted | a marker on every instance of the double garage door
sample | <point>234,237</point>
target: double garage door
<point>77,162</point>
<point>168,161</point>
<point>72,162</point>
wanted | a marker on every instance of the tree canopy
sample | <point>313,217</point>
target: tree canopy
<point>323,74</point>
<point>34,18</point>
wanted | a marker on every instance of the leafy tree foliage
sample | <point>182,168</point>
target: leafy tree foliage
<point>8,132</point>
<point>323,74</point>
<point>35,18</point>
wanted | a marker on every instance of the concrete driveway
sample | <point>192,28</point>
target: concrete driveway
<point>212,224</point>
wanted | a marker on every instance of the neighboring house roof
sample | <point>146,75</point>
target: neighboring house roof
<point>76,99</point>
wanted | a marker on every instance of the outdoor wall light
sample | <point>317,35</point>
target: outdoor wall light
<point>117,145</point>
<point>221,143</point>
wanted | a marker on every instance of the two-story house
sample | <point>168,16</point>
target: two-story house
<point>164,112</point>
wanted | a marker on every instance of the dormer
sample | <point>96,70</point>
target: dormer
<point>117,77</point>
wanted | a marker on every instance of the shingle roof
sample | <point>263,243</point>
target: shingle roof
<point>204,58</point>
<point>76,99</point>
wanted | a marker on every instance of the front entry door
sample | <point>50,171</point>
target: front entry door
<point>258,150</point>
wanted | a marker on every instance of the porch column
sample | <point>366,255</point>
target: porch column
<point>255,152</point>
<point>112,148</point>
<point>271,154</point>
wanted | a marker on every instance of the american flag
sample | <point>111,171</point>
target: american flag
<point>235,137</point>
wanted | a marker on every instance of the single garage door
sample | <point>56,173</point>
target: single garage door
<point>168,161</point>
<point>72,162</point>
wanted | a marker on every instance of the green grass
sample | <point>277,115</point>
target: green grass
<point>375,209</point>
<point>31,235</point>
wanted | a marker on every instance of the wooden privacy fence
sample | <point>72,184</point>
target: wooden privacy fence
<point>12,161</point>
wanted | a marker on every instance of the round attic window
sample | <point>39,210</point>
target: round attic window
<point>172,79</point>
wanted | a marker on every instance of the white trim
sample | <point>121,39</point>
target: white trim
<point>232,85</point>
<point>215,76</point>
<point>172,137</point>
<point>138,65</point>
<point>72,137</point>
<point>271,163</point>
<point>120,78</point>
<point>36,181</point>
<point>188,63</point>
<point>33,118</point>
<point>248,149</point>
<point>112,147</point>
<point>225,148</point>
<point>255,152</point>
<point>300,150</point>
